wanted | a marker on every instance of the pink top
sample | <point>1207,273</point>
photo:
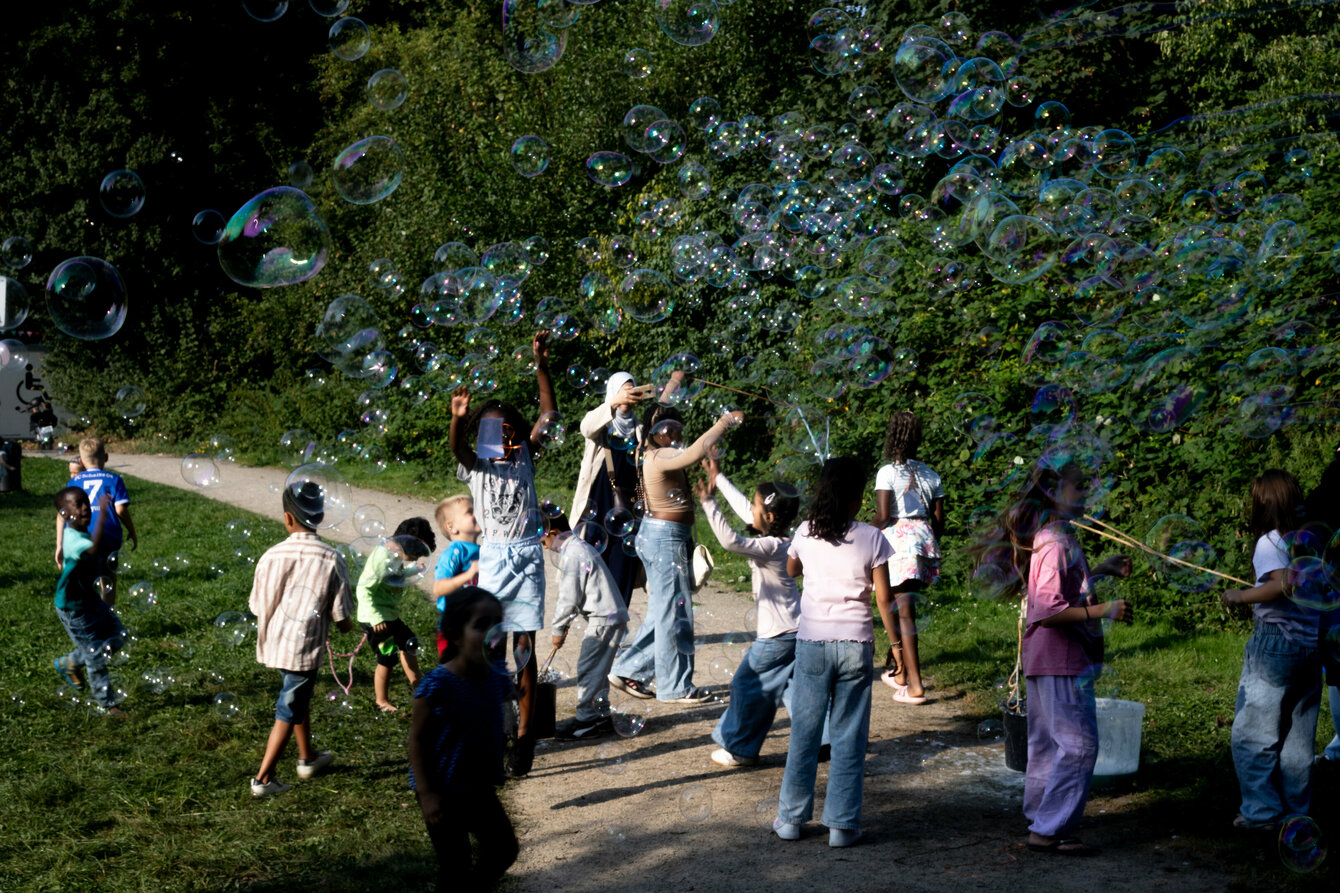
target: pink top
<point>1058,578</point>
<point>835,603</point>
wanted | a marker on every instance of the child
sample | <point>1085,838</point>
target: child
<point>1063,643</point>
<point>1279,695</point>
<point>379,607</point>
<point>909,504</point>
<point>586,587</point>
<point>91,624</point>
<point>834,653</point>
<point>663,646</point>
<point>764,678</point>
<point>301,585</point>
<point>456,747</point>
<point>458,565</point>
<point>501,476</point>
<point>95,481</point>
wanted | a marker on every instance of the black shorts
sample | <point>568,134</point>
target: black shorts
<point>394,636</point>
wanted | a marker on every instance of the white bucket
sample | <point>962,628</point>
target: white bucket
<point>1118,736</point>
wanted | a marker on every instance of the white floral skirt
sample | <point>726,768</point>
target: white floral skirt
<point>916,554</point>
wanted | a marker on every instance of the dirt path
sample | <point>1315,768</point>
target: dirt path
<point>652,811</point>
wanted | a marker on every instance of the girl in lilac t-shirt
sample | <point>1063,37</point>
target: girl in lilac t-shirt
<point>1063,643</point>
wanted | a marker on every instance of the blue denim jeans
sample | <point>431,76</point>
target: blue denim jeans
<point>836,677</point>
<point>663,646</point>
<point>1333,749</point>
<point>97,634</point>
<point>763,681</point>
<point>1279,698</point>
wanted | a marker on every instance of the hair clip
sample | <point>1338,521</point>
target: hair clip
<point>769,499</point>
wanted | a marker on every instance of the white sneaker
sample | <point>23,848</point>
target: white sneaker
<point>839,837</point>
<point>273,786</point>
<point>723,757</point>
<point>785,830</point>
<point>316,765</point>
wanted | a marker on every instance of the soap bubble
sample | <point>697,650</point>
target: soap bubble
<point>990,730</point>
<point>300,175</point>
<point>609,168</point>
<point>407,561</point>
<point>1300,844</point>
<point>1183,538</point>
<point>86,298</point>
<point>200,470</point>
<point>612,758</point>
<point>226,705</point>
<point>207,227</point>
<point>369,170</point>
<point>16,252</point>
<point>121,193</point>
<point>552,430</point>
<point>528,45</point>
<point>530,156</point>
<point>369,520</point>
<point>130,402</point>
<point>387,90</point>
<point>509,661</point>
<point>328,8</point>
<point>231,628</point>
<point>628,715</point>
<point>690,23</point>
<point>551,506</point>
<point>143,596</point>
<point>349,39</point>
<point>647,296</point>
<point>265,10</point>
<point>637,63</point>
<point>320,495</point>
<point>695,803</point>
<point>277,238</point>
<point>14,304</point>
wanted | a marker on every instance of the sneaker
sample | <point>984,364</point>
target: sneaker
<point>1242,823</point>
<point>583,729</point>
<point>273,786</point>
<point>69,672</point>
<point>631,687</point>
<point>316,765</point>
<point>723,757</point>
<point>694,695</point>
<point>840,837</point>
<point>785,830</point>
<point>113,710</point>
<point>522,757</point>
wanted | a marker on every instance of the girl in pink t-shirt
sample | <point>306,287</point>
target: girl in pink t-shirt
<point>1063,643</point>
<point>835,653</point>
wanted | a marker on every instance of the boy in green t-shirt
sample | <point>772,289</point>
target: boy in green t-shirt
<point>378,597</point>
<point>90,623</point>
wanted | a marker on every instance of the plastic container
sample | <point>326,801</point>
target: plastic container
<point>1119,724</point>
<point>1016,738</point>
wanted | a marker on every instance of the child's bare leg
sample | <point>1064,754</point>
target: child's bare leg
<point>525,642</point>
<point>886,616</point>
<point>381,686</point>
<point>302,736</point>
<point>274,749</point>
<point>907,620</point>
<point>409,661</point>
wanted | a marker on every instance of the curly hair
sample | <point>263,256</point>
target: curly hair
<point>903,436</point>
<point>421,530</point>
<point>510,414</point>
<point>654,416</point>
<point>783,502</point>
<point>841,483</point>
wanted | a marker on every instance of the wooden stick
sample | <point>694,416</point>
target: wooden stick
<point>738,391</point>
<point>1125,539</point>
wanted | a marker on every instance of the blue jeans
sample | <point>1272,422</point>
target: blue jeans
<point>97,634</point>
<point>836,677</point>
<point>1279,698</point>
<point>295,696</point>
<point>763,680</point>
<point>663,646</point>
<point>1333,749</point>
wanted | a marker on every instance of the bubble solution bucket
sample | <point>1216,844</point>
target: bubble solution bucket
<point>1016,737</point>
<point>1118,736</point>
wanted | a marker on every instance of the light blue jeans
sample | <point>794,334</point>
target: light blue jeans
<point>663,646</point>
<point>763,681</point>
<point>1279,698</point>
<point>836,677</point>
<point>97,634</point>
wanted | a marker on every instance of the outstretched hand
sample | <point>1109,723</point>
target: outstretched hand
<point>460,402</point>
<point>1115,566</point>
<point>702,490</point>
<point>734,418</point>
<point>539,346</point>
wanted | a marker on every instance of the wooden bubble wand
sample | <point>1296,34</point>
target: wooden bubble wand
<point>1107,531</point>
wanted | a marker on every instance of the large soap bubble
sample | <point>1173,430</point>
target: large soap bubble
<point>86,298</point>
<point>530,155</point>
<point>528,44</point>
<point>319,495</point>
<point>691,23</point>
<point>369,170</point>
<point>647,296</point>
<point>277,238</point>
<point>14,304</point>
<point>609,168</point>
<point>349,332</point>
<point>349,39</point>
<point>121,193</point>
<point>16,252</point>
<point>387,89</point>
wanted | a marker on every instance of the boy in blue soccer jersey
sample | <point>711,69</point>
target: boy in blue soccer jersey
<point>96,482</point>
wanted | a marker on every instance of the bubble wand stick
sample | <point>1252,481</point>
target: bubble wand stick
<point>1118,536</point>
<point>738,391</point>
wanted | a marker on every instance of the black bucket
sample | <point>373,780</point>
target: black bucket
<point>1016,738</point>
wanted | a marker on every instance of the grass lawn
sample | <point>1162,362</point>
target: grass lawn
<point>159,799</point>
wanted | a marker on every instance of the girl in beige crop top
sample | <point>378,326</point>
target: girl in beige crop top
<point>665,483</point>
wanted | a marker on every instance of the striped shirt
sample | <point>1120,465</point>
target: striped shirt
<point>301,586</point>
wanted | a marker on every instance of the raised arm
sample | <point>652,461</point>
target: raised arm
<point>739,503</point>
<point>539,346</point>
<point>460,408</point>
<point>729,539</point>
<point>697,451</point>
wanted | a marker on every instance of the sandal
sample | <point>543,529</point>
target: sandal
<point>893,665</point>
<point>69,672</point>
<point>1064,846</point>
<point>902,697</point>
